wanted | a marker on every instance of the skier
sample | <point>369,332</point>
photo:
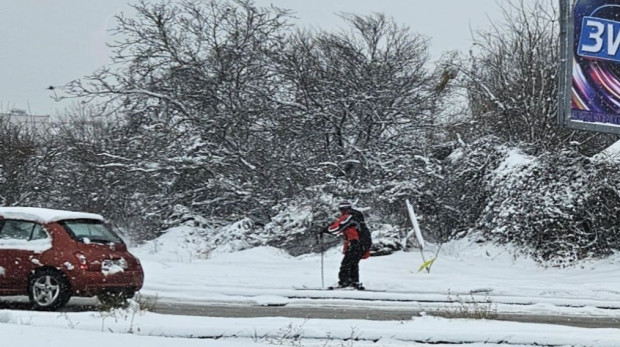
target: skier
<point>358,217</point>
<point>352,227</point>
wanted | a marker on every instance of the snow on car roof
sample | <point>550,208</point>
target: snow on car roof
<point>44,215</point>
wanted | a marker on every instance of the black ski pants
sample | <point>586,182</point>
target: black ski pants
<point>349,267</point>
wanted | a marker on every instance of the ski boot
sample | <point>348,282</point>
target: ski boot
<point>358,285</point>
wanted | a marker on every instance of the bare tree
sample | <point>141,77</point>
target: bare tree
<point>357,101</point>
<point>512,80</point>
<point>101,166</point>
<point>194,75</point>
<point>229,113</point>
<point>26,159</point>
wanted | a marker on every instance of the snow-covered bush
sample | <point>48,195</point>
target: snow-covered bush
<point>559,207</point>
<point>452,199</point>
<point>295,228</point>
<point>556,207</point>
<point>182,243</point>
<point>386,238</point>
<point>182,215</point>
<point>240,235</point>
<point>193,240</point>
<point>23,164</point>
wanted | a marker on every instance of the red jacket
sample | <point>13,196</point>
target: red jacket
<point>340,226</point>
<point>345,226</point>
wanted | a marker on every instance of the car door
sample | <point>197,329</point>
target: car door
<point>20,243</point>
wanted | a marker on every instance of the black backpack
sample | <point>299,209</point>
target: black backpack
<point>364,233</point>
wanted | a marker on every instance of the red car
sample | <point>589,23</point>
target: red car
<point>51,255</point>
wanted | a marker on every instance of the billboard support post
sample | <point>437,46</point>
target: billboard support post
<point>565,73</point>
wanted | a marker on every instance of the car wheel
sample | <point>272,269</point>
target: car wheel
<point>48,290</point>
<point>115,299</point>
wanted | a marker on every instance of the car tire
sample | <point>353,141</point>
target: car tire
<point>48,290</point>
<point>115,299</point>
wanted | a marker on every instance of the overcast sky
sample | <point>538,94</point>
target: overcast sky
<point>51,42</point>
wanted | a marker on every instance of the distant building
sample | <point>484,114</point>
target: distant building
<point>35,123</point>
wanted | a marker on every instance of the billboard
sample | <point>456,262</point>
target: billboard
<point>590,62</point>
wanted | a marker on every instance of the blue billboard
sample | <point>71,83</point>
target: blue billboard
<point>590,85</point>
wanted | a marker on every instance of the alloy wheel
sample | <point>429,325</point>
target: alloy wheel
<point>45,290</point>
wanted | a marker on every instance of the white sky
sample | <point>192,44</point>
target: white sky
<point>51,42</point>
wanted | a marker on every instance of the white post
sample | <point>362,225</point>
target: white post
<point>416,230</point>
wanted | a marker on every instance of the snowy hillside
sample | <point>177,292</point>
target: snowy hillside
<point>462,268</point>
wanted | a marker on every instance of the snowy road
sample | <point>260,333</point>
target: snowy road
<point>339,312</point>
<point>338,309</point>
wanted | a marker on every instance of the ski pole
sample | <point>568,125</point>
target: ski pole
<point>322,277</point>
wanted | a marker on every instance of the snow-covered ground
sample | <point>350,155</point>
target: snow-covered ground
<point>465,276</point>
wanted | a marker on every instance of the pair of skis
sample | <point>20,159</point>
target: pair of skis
<point>352,289</point>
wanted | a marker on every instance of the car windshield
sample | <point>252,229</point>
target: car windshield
<point>91,231</point>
